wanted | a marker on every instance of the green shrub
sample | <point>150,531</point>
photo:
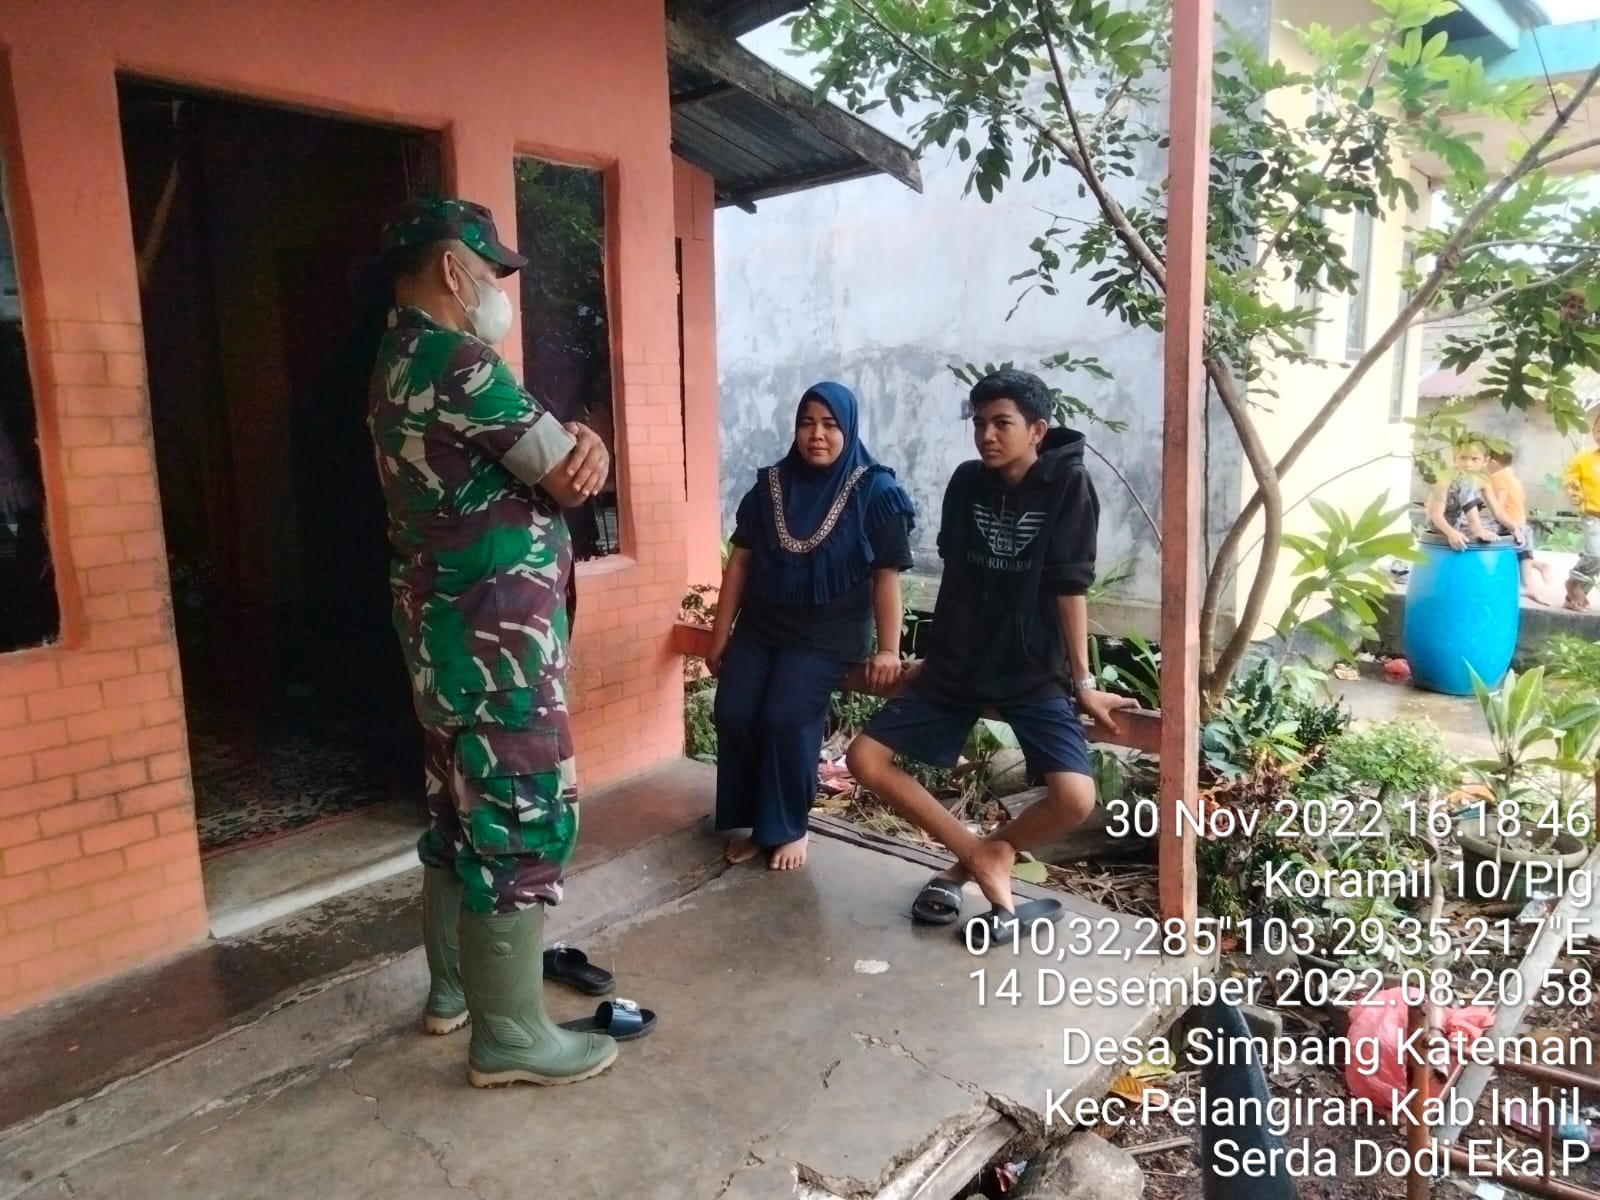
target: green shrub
<point>1394,759</point>
<point>699,724</point>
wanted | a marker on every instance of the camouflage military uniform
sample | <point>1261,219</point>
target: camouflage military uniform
<point>480,572</point>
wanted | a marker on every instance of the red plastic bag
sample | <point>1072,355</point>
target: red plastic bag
<point>1382,1051</point>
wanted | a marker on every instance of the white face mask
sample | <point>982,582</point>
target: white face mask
<point>490,315</point>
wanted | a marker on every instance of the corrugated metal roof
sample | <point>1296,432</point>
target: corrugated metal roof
<point>749,135</point>
<point>1447,384</point>
<point>750,148</point>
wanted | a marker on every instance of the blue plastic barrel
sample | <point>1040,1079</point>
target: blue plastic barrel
<point>1463,610</point>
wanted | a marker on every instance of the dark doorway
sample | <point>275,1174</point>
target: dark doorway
<point>30,614</point>
<point>252,224</point>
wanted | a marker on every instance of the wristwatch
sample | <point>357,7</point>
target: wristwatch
<point>1087,684</point>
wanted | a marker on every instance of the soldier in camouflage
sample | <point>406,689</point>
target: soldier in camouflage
<point>475,473</point>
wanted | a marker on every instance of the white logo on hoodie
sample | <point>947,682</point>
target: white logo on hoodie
<point>1008,534</point>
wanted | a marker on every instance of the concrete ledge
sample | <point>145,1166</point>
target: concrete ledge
<point>230,922</point>
<point>1539,625</point>
<point>868,1065</point>
<point>257,883</point>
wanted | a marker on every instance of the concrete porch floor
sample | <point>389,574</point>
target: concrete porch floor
<point>1458,718</point>
<point>812,1042</point>
<point>341,973</point>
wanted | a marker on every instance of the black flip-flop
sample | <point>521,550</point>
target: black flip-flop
<point>571,966</point>
<point>1004,926</point>
<point>622,1019</point>
<point>938,903</point>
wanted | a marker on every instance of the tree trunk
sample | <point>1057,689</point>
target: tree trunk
<point>1216,671</point>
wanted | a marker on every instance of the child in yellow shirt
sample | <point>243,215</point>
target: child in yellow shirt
<point>1583,487</point>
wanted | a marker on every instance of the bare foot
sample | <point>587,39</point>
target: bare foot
<point>790,856</point>
<point>1577,596</point>
<point>740,849</point>
<point>990,869</point>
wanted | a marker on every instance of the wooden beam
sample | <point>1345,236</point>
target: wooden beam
<point>794,183</point>
<point>741,16</point>
<point>1141,728</point>
<point>700,95</point>
<point>705,47</point>
<point>1182,497</point>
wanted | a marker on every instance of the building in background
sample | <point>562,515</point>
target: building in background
<point>887,292</point>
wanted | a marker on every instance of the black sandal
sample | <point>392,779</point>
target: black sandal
<point>571,966</point>
<point>938,903</point>
<point>1004,926</point>
<point>624,1020</point>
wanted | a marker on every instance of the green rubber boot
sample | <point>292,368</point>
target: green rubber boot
<point>446,1010</point>
<point>513,1039</point>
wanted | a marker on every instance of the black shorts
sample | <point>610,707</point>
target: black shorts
<point>1049,732</point>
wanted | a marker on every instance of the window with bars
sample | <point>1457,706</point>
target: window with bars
<point>1355,336</point>
<point>1402,348</point>
<point>1308,295</point>
<point>566,321</point>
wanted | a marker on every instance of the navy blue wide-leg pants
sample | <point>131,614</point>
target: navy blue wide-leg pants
<point>771,712</point>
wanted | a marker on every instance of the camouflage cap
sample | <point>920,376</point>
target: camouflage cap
<point>420,222</point>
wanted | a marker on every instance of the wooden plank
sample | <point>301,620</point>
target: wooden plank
<point>1141,728</point>
<point>933,856</point>
<point>1182,498</point>
<point>746,198</point>
<point>704,46</point>
<point>700,95</point>
<point>1570,915</point>
<point>964,1161</point>
<point>739,17</point>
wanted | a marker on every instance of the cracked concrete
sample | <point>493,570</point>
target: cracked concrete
<point>776,1070</point>
<point>436,1152</point>
<point>759,1180</point>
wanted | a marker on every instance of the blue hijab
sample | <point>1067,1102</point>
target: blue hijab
<point>793,564</point>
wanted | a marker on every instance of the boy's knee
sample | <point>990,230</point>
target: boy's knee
<point>1071,795</point>
<point>867,758</point>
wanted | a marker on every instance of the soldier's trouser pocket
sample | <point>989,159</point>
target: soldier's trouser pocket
<point>514,792</point>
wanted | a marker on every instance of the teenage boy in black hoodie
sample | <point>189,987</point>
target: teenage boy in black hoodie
<point>1011,633</point>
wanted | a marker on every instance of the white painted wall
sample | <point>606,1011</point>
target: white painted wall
<point>871,284</point>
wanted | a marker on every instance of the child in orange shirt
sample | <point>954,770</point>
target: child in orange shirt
<point>1508,505</point>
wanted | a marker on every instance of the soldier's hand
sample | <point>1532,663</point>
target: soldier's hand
<point>589,463</point>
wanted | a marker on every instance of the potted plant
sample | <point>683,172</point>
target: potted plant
<point>1528,815</point>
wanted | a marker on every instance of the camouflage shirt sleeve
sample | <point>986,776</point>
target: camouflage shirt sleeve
<point>481,400</point>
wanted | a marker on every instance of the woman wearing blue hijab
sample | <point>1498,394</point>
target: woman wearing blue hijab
<point>818,547</point>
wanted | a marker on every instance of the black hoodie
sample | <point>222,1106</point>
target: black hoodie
<point>1009,552</point>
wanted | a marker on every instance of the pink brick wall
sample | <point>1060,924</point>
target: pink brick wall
<point>99,864</point>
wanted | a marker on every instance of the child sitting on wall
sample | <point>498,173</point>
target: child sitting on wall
<point>1455,503</point>
<point>1507,502</point>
